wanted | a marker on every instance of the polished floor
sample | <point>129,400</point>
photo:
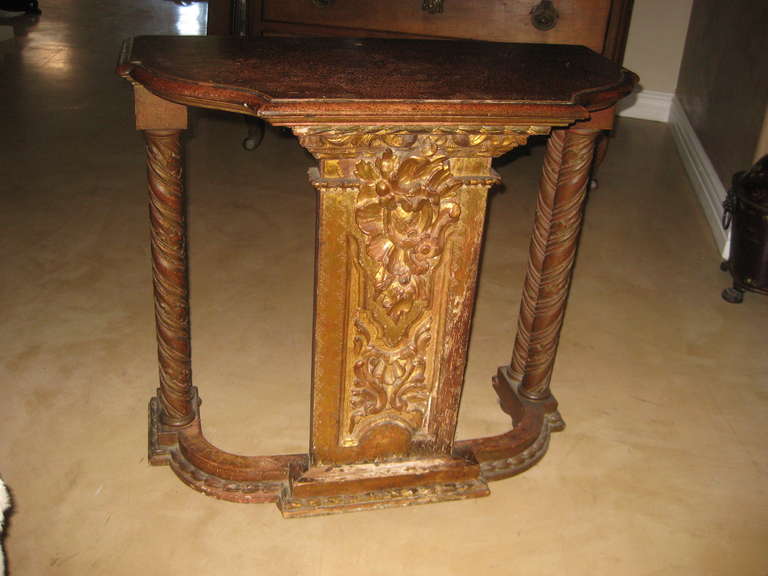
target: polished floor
<point>663,469</point>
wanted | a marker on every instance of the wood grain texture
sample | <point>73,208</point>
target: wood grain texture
<point>404,164</point>
<point>169,273</point>
<point>202,466</point>
<point>328,80</point>
<point>545,202</point>
<point>152,112</point>
<point>557,225</point>
<point>600,25</point>
<point>617,31</point>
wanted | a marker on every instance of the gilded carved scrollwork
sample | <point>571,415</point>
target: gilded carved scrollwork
<point>406,208</point>
<point>389,383</point>
<point>456,141</point>
<point>406,194</point>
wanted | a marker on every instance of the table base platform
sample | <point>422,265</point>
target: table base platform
<point>302,490</point>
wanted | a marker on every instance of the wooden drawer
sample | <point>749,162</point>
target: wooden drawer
<point>580,21</point>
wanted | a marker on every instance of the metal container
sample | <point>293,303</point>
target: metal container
<point>746,212</point>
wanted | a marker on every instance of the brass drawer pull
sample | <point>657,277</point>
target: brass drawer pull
<point>322,3</point>
<point>432,6</point>
<point>544,15</point>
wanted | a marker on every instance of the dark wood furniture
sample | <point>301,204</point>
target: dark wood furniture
<point>601,25</point>
<point>404,132</point>
<point>28,6</point>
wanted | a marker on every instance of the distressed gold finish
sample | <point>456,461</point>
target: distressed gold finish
<point>459,141</point>
<point>402,181</point>
<point>405,211</point>
<point>396,270</point>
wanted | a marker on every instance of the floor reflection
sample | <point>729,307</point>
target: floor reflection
<point>191,18</point>
<point>16,24</point>
<point>50,53</point>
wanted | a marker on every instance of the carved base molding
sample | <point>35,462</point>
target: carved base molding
<point>202,466</point>
<point>400,223</point>
<point>301,490</point>
<point>330,489</point>
<point>385,498</point>
<point>514,452</point>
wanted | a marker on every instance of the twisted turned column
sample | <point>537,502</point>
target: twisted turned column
<point>559,210</point>
<point>539,238</point>
<point>169,274</point>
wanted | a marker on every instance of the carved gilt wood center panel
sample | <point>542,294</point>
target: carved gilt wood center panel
<point>405,211</point>
<point>409,205</point>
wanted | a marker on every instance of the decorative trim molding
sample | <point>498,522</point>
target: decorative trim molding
<point>647,105</point>
<point>704,178</point>
<point>664,107</point>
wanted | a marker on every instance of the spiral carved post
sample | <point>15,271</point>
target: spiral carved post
<point>539,237</point>
<point>562,191</point>
<point>169,274</point>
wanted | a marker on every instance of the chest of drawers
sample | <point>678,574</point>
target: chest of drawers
<point>598,24</point>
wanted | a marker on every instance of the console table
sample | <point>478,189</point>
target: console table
<point>404,132</point>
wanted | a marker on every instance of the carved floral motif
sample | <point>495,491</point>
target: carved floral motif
<point>405,210</point>
<point>390,380</point>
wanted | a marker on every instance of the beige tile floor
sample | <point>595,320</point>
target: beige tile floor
<point>661,471</point>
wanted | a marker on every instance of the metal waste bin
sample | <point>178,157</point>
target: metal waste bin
<point>746,212</point>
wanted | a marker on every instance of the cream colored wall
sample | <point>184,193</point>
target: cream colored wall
<point>656,42</point>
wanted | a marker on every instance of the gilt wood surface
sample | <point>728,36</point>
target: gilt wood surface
<point>402,179</point>
<point>400,229</point>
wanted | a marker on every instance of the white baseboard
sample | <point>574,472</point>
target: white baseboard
<point>664,107</point>
<point>647,105</point>
<point>704,178</point>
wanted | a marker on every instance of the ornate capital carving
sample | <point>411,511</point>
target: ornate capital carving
<point>456,141</point>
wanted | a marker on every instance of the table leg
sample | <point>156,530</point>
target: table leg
<point>169,274</point>
<point>175,432</point>
<point>451,169</point>
<point>601,151</point>
<point>562,192</point>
